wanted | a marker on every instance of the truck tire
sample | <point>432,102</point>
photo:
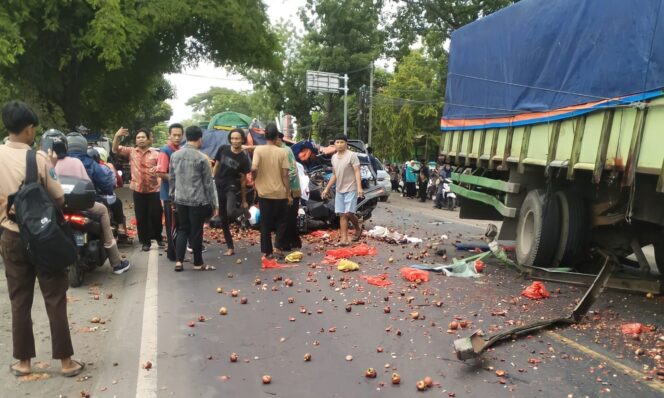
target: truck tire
<point>538,230</point>
<point>573,229</point>
<point>659,256</point>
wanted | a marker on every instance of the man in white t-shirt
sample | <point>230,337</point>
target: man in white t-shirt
<point>346,175</point>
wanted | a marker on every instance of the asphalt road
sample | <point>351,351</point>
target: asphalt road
<point>152,309</point>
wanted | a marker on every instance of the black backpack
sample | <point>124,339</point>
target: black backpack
<point>47,237</point>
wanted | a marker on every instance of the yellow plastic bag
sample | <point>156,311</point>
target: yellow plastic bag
<point>347,265</point>
<point>294,257</point>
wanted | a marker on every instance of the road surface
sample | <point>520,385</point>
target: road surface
<point>152,314</point>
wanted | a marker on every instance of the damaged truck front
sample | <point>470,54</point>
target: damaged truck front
<point>554,117</point>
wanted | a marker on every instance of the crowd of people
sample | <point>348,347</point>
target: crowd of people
<point>416,179</point>
<point>177,182</point>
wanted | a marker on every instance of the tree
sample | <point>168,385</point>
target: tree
<point>96,60</point>
<point>432,22</point>
<point>342,36</point>
<point>256,103</point>
<point>407,107</point>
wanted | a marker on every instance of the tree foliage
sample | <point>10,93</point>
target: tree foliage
<point>97,60</point>
<point>409,106</point>
<point>257,103</point>
<point>432,22</point>
<point>339,36</point>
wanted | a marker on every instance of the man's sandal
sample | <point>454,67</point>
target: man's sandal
<point>18,373</point>
<point>75,372</point>
<point>204,268</point>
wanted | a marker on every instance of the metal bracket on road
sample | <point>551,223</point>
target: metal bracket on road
<point>475,345</point>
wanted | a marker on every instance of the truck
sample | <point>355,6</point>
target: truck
<point>554,121</point>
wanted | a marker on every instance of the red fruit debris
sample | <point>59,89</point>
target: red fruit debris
<point>147,365</point>
<point>191,324</point>
<point>201,318</point>
<point>267,379</point>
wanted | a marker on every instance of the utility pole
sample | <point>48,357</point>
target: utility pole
<point>371,78</point>
<point>345,104</point>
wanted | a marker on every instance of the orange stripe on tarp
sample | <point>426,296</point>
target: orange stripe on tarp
<point>447,123</point>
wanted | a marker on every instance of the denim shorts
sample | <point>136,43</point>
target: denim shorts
<point>345,202</point>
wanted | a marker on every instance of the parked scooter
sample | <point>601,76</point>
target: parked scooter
<point>80,195</point>
<point>449,197</point>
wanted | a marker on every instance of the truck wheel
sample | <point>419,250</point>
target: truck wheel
<point>573,229</point>
<point>75,275</point>
<point>659,256</point>
<point>538,230</point>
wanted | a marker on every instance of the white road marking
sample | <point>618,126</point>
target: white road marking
<point>146,383</point>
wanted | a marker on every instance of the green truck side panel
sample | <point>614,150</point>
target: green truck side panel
<point>477,147</point>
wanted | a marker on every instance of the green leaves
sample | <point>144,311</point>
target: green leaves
<point>257,103</point>
<point>100,60</point>
<point>408,107</point>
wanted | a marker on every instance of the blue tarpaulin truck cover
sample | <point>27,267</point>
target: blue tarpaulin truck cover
<point>544,60</point>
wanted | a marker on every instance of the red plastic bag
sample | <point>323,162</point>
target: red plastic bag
<point>536,291</point>
<point>377,280</point>
<point>318,234</point>
<point>634,328</point>
<point>267,263</point>
<point>479,266</point>
<point>414,274</point>
<point>358,250</point>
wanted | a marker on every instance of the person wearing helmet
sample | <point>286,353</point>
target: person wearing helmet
<point>102,177</point>
<point>72,167</point>
<point>56,141</point>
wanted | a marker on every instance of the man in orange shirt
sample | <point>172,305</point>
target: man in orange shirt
<point>145,184</point>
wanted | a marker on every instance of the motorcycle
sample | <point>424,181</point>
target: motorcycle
<point>86,227</point>
<point>449,197</point>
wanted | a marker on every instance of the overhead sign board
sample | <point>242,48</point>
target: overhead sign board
<point>323,82</point>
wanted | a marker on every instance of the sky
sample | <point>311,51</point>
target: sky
<point>200,79</point>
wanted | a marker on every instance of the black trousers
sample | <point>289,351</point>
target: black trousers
<point>411,190</point>
<point>190,228</point>
<point>292,238</point>
<point>422,191</point>
<point>147,208</point>
<point>168,219</point>
<point>228,211</point>
<point>273,217</point>
<point>118,211</point>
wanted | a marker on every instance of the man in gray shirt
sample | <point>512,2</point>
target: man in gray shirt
<point>194,195</point>
<point>346,176</point>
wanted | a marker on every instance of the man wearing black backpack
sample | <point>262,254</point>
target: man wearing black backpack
<point>20,269</point>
